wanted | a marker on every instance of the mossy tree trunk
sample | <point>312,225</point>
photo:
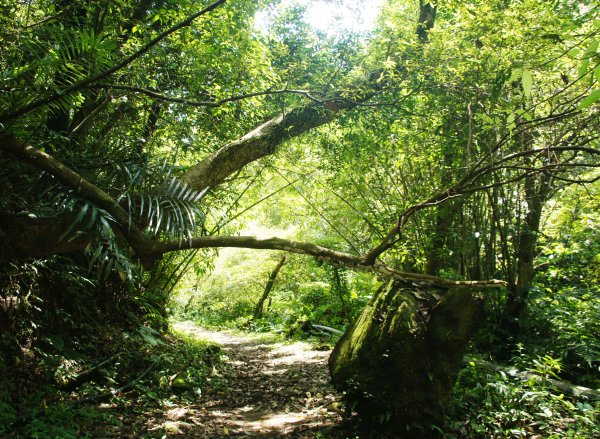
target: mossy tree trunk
<point>398,363</point>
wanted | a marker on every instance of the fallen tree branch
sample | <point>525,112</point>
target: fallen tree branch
<point>324,328</point>
<point>148,250</point>
<point>23,420</point>
<point>76,381</point>
<point>563,386</point>
<point>323,253</point>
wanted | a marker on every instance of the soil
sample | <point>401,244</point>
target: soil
<point>271,390</point>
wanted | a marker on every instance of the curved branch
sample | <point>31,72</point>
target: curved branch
<point>148,250</point>
<point>93,193</point>
<point>465,186</point>
<point>323,253</point>
<point>156,94</point>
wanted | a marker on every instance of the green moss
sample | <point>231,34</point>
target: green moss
<point>401,357</point>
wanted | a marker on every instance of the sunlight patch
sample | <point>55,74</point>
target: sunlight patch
<point>271,422</point>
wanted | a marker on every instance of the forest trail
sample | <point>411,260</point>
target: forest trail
<point>271,390</point>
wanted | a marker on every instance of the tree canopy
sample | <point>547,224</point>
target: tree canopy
<point>138,136</point>
<point>486,116</point>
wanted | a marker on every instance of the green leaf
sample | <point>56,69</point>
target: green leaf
<point>583,67</point>
<point>527,81</point>
<point>592,49</point>
<point>515,74</point>
<point>510,119</point>
<point>590,100</point>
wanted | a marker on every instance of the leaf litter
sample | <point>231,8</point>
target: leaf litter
<point>270,389</point>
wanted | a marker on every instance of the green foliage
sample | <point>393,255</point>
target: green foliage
<point>495,405</point>
<point>516,75</point>
<point>304,291</point>
<point>565,304</point>
<point>159,202</point>
<point>184,368</point>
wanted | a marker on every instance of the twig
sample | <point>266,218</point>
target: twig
<point>97,366</point>
<point>22,420</point>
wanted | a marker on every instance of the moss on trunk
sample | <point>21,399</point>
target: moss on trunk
<point>399,361</point>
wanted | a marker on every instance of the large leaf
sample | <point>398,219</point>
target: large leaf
<point>590,100</point>
<point>527,82</point>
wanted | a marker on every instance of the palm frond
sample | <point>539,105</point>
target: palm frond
<point>159,202</point>
<point>172,208</point>
<point>105,254</point>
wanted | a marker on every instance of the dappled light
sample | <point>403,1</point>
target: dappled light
<point>300,218</point>
<point>274,386</point>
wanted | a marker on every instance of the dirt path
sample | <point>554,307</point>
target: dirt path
<point>272,390</point>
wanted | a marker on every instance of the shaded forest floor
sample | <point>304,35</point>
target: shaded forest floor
<point>198,383</point>
<point>271,389</point>
<point>194,383</point>
<point>267,389</point>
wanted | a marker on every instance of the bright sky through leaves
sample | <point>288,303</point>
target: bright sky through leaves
<point>334,16</point>
<point>347,15</point>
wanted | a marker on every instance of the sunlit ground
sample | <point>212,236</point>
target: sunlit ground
<point>274,388</point>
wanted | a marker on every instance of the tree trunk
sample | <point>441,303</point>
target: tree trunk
<point>445,215</point>
<point>536,196</point>
<point>258,309</point>
<point>340,288</point>
<point>398,363</point>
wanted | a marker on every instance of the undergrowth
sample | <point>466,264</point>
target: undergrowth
<point>495,405</point>
<point>71,396</point>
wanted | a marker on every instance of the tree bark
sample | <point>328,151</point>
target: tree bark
<point>537,189</point>
<point>263,141</point>
<point>258,309</point>
<point>536,195</point>
<point>427,13</point>
<point>25,237</point>
<point>398,362</point>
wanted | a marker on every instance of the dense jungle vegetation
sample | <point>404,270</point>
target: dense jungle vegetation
<point>429,188</point>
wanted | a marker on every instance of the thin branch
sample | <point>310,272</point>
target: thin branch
<point>123,63</point>
<point>156,94</point>
<point>574,180</point>
<point>237,215</point>
<point>462,187</point>
<point>329,102</point>
<point>318,212</point>
<point>115,392</point>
